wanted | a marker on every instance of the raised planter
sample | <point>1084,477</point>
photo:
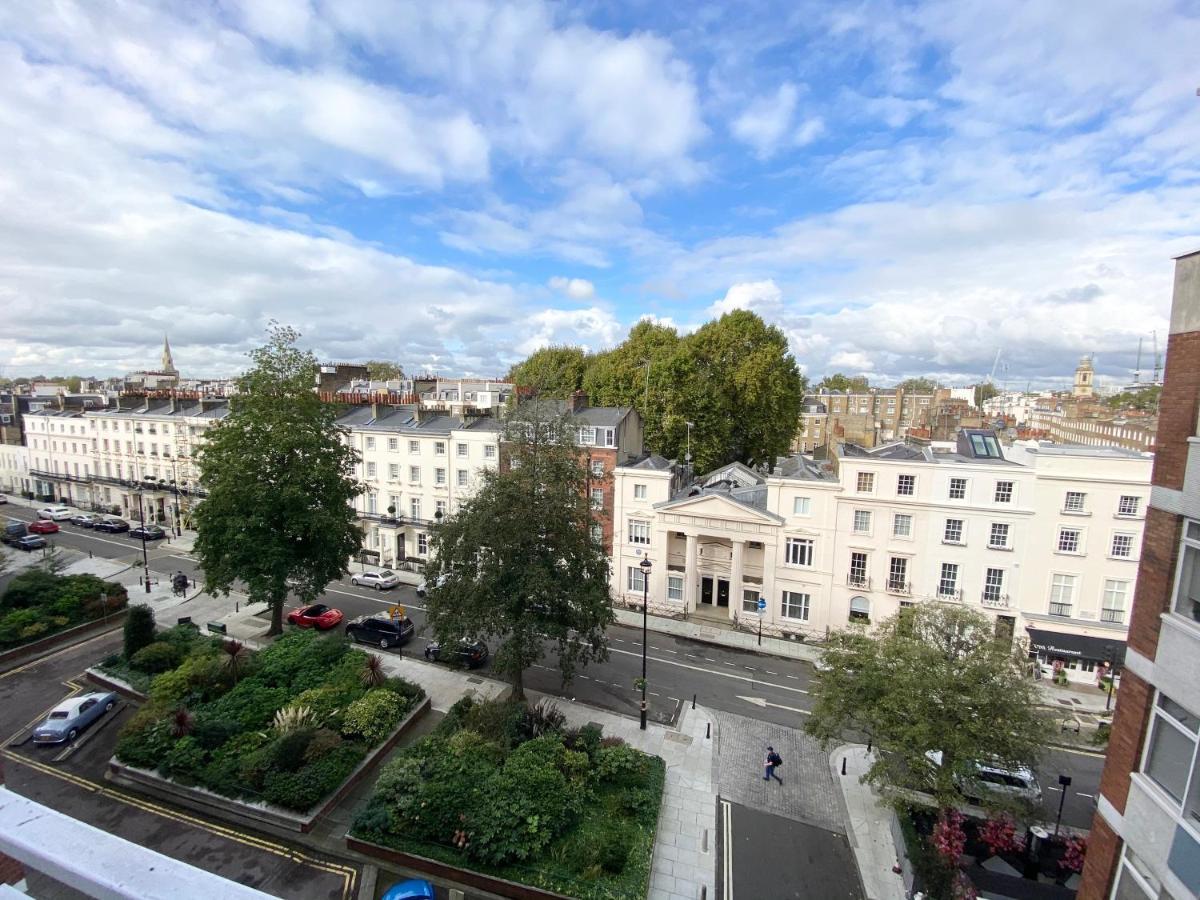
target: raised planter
<point>61,638</point>
<point>238,811</point>
<point>112,683</point>
<point>439,869</point>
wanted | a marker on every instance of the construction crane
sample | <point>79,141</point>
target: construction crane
<point>992,376</point>
<point>1157,361</point>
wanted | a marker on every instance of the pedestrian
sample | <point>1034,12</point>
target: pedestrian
<point>773,760</point>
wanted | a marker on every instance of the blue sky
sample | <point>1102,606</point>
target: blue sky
<point>904,188</point>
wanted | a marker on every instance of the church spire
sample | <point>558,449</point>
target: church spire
<point>168,364</point>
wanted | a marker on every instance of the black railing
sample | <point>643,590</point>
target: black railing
<point>993,598</point>
<point>858,580</point>
<point>899,587</point>
<point>945,593</point>
<point>42,475</point>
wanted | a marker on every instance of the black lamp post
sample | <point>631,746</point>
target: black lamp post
<point>1064,782</point>
<point>645,565</point>
<point>175,485</point>
<point>1110,660</point>
<point>145,556</point>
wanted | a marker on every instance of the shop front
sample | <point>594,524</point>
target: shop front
<point>1081,658</point>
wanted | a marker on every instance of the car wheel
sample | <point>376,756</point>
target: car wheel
<point>384,644</point>
<point>108,706</point>
<point>379,587</point>
<point>72,734</point>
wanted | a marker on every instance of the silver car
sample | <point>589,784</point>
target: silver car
<point>379,580</point>
<point>70,717</point>
<point>1019,782</point>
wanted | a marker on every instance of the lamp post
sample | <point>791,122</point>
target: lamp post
<point>145,557</point>
<point>175,485</point>
<point>1110,661</point>
<point>1064,782</point>
<point>645,566</point>
<point>688,457</point>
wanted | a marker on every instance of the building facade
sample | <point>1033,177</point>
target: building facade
<point>866,418</point>
<point>1145,839</point>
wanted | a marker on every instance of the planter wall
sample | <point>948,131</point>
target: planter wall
<point>109,683</point>
<point>62,638</point>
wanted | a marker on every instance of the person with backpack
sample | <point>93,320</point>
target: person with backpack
<point>773,760</point>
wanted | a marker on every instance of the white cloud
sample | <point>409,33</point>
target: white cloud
<point>575,288</point>
<point>762,297</point>
<point>766,120</point>
<point>593,327</point>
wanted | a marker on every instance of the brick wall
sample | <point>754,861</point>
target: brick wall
<point>1155,580</point>
<point>1178,407</point>
<point>1125,742</point>
<point>1100,864</point>
<point>605,514</point>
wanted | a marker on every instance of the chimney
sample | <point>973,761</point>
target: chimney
<point>579,401</point>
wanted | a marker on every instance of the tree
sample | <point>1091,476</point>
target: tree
<point>554,372</point>
<point>381,370</point>
<point>139,629</point>
<point>933,677</point>
<point>918,385</point>
<point>984,392</point>
<point>1146,399</point>
<point>839,382</point>
<point>518,562</point>
<point>280,485</point>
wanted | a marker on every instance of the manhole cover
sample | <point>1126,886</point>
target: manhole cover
<point>474,680</point>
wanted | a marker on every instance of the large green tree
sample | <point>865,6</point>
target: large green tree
<point>280,483</point>
<point>382,370</point>
<point>517,561</point>
<point>984,392</point>
<point>920,385</point>
<point>1145,399</point>
<point>551,371</point>
<point>839,382</point>
<point>933,677</point>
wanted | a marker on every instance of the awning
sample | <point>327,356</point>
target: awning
<point>860,605</point>
<point>1076,646</point>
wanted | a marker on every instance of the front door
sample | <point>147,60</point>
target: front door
<point>706,590</point>
<point>722,592</point>
<point>400,547</point>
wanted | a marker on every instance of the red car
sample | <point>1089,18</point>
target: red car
<point>43,526</point>
<point>319,616</point>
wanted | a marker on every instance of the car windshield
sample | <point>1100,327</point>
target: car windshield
<point>386,573</point>
<point>59,714</point>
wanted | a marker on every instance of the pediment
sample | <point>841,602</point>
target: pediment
<point>714,506</point>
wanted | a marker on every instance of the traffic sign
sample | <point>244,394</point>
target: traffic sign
<point>396,612</point>
<point>762,605</point>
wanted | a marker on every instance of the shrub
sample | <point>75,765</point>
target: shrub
<point>139,629</point>
<point>37,629</point>
<point>211,732</point>
<point>13,624</point>
<point>185,757</point>
<point>373,715</point>
<point>498,720</point>
<point>323,740</point>
<point>409,690</point>
<point>144,741</point>
<point>251,703</point>
<point>157,657</point>
<point>585,739</point>
<point>32,588</point>
<point>620,765</point>
<point>541,719</point>
<point>455,716</point>
<point>294,718</point>
<point>303,789</point>
<point>612,851</point>
<point>287,753</point>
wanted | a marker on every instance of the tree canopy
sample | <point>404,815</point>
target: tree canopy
<point>984,392</point>
<point>552,372</point>
<point>517,562</point>
<point>280,484</point>
<point>918,385</point>
<point>1145,399</point>
<point>933,677</point>
<point>839,382</point>
<point>382,370</point>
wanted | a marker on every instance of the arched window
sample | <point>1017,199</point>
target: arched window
<point>860,609</point>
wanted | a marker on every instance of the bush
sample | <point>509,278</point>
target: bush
<point>612,851</point>
<point>498,720</point>
<point>157,657</point>
<point>15,623</point>
<point>586,739</point>
<point>456,716</point>
<point>373,716</point>
<point>251,703</point>
<point>139,629</point>
<point>32,588</point>
<point>541,719</point>
<point>287,753</point>
<point>323,740</point>
<point>185,757</point>
<point>620,765</point>
<point>211,732</point>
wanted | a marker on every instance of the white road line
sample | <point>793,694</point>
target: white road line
<point>652,694</point>
<point>749,668</point>
<point>793,677</point>
<point>1082,794</point>
<point>663,649</point>
<point>708,659</point>
<point>727,849</point>
<point>769,672</point>
<point>756,681</point>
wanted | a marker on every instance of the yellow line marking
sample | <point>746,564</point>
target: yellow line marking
<point>49,656</point>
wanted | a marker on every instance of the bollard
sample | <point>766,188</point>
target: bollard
<point>868,745</point>
<point>707,730</point>
<point>843,765</point>
<point>693,701</point>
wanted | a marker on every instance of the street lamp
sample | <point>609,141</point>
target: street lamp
<point>1110,659</point>
<point>175,485</point>
<point>645,566</point>
<point>145,556</point>
<point>1064,782</point>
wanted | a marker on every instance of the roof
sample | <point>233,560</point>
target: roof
<point>1046,449</point>
<point>602,416</point>
<point>802,468</point>
<point>406,419</point>
<point>653,462</point>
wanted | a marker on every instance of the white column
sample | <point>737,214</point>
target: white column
<point>768,582</point>
<point>689,573</point>
<point>735,578</point>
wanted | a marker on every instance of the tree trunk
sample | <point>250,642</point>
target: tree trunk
<point>276,617</point>
<point>518,683</point>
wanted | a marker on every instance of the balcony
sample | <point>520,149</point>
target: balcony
<point>949,593</point>
<point>903,588</point>
<point>858,580</point>
<point>1115,616</point>
<point>994,599</point>
<point>1061,609</point>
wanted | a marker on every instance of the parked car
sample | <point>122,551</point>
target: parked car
<point>30,542</point>
<point>379,630</point>
<point>111,525</point>
<point>13,532</point>
<point>1018,783</point>
<point>413,889</point>
<point>149,532</point>
<point>72,716</point>
<point>85,520</point>
<point>3,499</point>
<point>56,513</point>
<point>423,587</point>
<point>317,616</point>
<point>381,581</point>
<point>43,526</point>
<point>471,654</point>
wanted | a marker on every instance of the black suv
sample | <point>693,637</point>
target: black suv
<point>471,654</point>
<point>13,532</point>
<point>384,632</point>
<point>149,532</point>
<point>112,525</point>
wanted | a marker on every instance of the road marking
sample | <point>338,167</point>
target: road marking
<point>1082,794</point>
<point>769,672</point>
<point>708,659</point>
<point>663,649</point>
<point>652,694</point>
<point>793,677</point>
<point>727,849</point>
<point>749,668</point>
<point>59,652</point>
<point>756,681</point>
<point>1059,748</point>
<point>760,701</point>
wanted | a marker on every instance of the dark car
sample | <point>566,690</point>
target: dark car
<point>471,654</point>
<point>378,630</point>
<point>13,532</point>
<point>149,532</point>
<point>30,542</point>
<point>85,520</point>
<point>112,525</point>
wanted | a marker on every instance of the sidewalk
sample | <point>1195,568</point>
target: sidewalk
<point>871,824</point>
<point>710,633</point>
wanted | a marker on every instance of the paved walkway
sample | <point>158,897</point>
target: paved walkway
<point>724,635</point>
<point>870,825</point>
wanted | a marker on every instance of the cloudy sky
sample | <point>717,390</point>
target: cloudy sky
<point>904,188</point>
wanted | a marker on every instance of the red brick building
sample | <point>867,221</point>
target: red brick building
<point>1145,842</point>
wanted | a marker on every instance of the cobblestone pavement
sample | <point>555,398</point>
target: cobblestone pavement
<point>807,794</point>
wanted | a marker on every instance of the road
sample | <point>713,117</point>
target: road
<point>768,688</point>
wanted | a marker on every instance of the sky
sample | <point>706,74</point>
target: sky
<point>905,188</point>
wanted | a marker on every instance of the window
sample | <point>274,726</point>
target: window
<point>948,582</point>
<point>798,552</point>
<point>606,437</point>
<point>597,533</point>
<point>587,436</point>
<point>862,521</point>
<point>637,579</point>
<point>422,543</point>
<point>1062,594</point>
<point>1122,546</point>
<point>1113,604</point>
<point>439,508</point>
<point>370,443</point>
<point>954,532</point>
<point>370,470</point>
<point>461,450</point>
<point>597,468</point>
<point>675,587</point>
<point>1171,751</point>
<point>460,477</point>
<point>414,507</point>
<point>1068,540</point>
<point>993,585</point>
<point>866,482</point>
<point>857,576</point>
<point>639,532</point>
<point>393,470</point>
<point>414,474</point>
<point>801,506</point>
<point>414,446</point>
<point>998,536</point>
<point>439,448</point>
<point>1074,501</point>
<point>906,485</point>
<point>597,498</point>
<point>1187,585</point>
<point>898,574</point>
<point>1128,506</point>
<point>902,525</point>
<point>750,600</point>
<point>639,492</point>
<point>958,488</point>
<point>439,476</point>
<point>795,605</point>
<point>393,444</point>
<point>1004,492</point>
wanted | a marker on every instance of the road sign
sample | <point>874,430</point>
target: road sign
<point>762,605</point>
<point>396,612</point>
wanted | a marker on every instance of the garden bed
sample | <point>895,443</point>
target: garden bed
<point>288,726</point>
<point>500,791</point>
<point>40,609</point>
